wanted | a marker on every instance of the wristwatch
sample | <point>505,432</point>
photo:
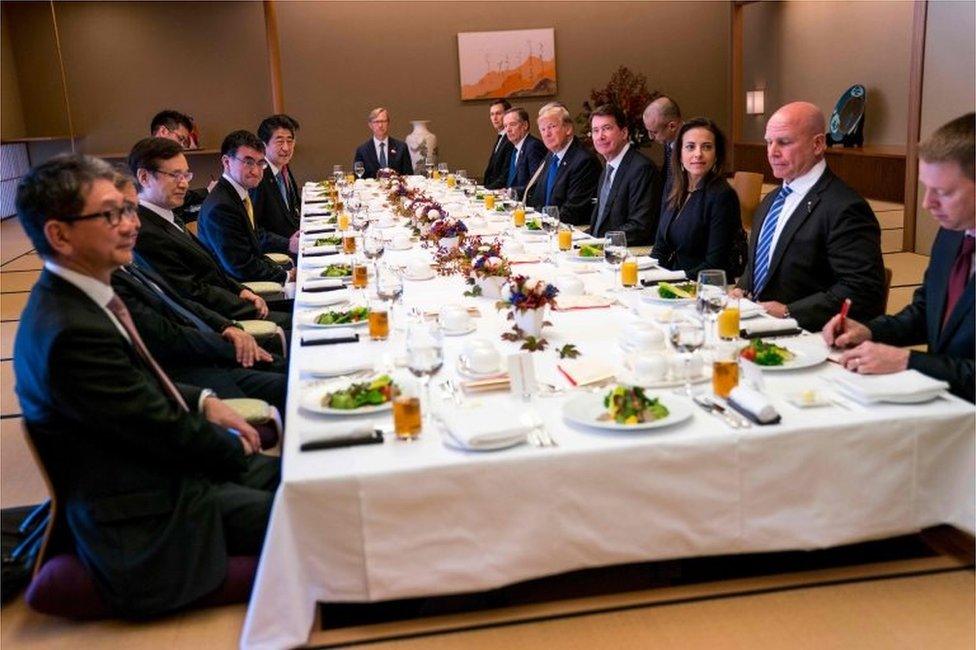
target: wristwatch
<point>786,311</point>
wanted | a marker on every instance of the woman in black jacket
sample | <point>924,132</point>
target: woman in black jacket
<point>700,226</point>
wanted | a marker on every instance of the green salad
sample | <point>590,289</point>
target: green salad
<point>533,224</point>
<point>343,317</point>
<point>332,240</point>
<point>337,271</point>
<point>591,250</point>
<point>766,354</point>
<point>683,290</point>
<point>380,390</point>
<point>629,405</point>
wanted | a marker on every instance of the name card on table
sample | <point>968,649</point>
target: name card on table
<point>521,372</point>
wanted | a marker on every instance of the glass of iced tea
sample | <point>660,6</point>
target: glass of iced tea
<point>348,243</point>
<point>725,369</point>
<point>379,321</point>
<point>406,417</point>
<point>360,274</point>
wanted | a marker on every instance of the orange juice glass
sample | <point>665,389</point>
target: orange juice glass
<point>565,239</point>
<point>728,321</point>
<point>489,201</point>
<point>519,216</point>
<point>628,272</point>
<point>379,321</point>
<point>343,221</point>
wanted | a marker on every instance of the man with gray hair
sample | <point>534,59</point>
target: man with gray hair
<point>381,151</point>
<point>568,177</point>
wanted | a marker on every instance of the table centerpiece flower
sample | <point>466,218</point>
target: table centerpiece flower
<point>526,299</point>
<point>447,232</point>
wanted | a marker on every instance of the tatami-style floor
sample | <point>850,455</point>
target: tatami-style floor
<point>931,606</point>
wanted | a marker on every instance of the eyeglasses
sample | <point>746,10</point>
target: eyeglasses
<point>250,162</point>
<point>113,215</point>
<point>176,176</point>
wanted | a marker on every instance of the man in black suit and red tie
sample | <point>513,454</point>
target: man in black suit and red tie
<point>629,187</point>
<point>528,152</point>
<point>277,201</point>
<point>381,151</point>
<point>568,177</point>
<point>496,172</point>
<point>156,483</point>
<point>941,311</point>
<point>815,241</point>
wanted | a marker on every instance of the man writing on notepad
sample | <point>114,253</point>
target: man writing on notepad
<point>941,311</point>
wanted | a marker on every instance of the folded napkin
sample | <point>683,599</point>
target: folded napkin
<point>523,258</point>
<point>484,385</point>
<point>645,262</point>
<point>482,428</point>
<point>316,299</point>
<point>753,404</point>
<point>770,327</point>
<point>567,302</point>
<point>342,436</point>
<point>906,386</point>
<point>579,235</point>
<point>661,275</point>
<point>319,285</point>
<point>580,372</point>
<point>336,368</point>
<point>748,308</point>
<point>330,337</point>
<point>317,229</point>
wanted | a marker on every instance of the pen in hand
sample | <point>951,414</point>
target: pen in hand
<point>842,321</point>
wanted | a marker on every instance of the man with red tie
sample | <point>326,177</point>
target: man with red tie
<point>941,311</point>
<point>277,201</point>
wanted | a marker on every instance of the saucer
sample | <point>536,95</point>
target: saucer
<point>459,332</point>
<point>465,371</point>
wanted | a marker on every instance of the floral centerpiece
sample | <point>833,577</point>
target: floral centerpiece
<point>526,299</point>
<point>447,232</point>
<point>488,269</point>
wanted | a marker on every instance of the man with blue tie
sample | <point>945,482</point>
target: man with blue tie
<point>629,186</point>
<point>277,201</point>
<point>815,242</point>
<point>568,177</point>
<point>941,311</point>
<point>528,151</point>
<point>662,119</point>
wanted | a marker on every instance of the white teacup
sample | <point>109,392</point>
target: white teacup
<point>643,337</point>
<point>455,317</point>
<point>569,285</point>
<point>650,367</point>
<point>686,365</point>
<point>418,269</point>
<point>482,356</point>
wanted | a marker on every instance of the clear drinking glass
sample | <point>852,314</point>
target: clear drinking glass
<point>373,247</point>
<point>337,173</point>
<point>425,356</point>
<point>712,295</point>
<point>442,169</point>
<point>687,334</point>
<point>359,169</point>
<point>550,224</point>
<point>614,252</point>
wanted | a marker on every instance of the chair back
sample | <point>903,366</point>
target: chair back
<point>53,513</point>
<point>192,228</point>
<point>748,186</point>
<point>887,291</point>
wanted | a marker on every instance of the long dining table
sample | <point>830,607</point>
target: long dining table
<point>418,518</point>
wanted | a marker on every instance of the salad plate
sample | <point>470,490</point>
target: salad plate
<point>356,314</point>
<point>587,410</point>
<point>663,294</point>
<point>357,394</point>
<point>777,358</point>
<point>588,253</point>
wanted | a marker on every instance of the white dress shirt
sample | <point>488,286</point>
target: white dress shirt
<point>163,212</point>
<point>615,163</point>
<point>241,192</point>
<point>376,146</point>
<point>801,186</point>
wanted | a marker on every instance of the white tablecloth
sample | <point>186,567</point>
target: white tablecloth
<point>400,520</point>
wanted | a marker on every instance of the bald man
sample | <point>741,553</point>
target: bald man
<point>662,119</point>
<point>814,240</point>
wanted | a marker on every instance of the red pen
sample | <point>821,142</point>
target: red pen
<point>843,314</point>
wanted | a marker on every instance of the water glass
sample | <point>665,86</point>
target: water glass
<point>359,169</point>
<point>549,219</point>
<point>687,334</point>
<point>425,356</point>
<point>711,294</point>
<point>614,252</point>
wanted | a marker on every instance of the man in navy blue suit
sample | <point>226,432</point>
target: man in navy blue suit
<point>382,151</point>
<point>941,311</point>
<point>528,150</point>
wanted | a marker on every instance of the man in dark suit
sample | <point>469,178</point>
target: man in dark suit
<point>277,200</point>
<point>814,241</point>
<point>381,151</point>
<point>568,177</point>
<point>156,483</point>
<point>941,312</point>
<point>528,151</point>
<point>178,127</point>
<point>496,171</point>
<point>227,219</point>
<point>629,187</point>
<point>166,246</point>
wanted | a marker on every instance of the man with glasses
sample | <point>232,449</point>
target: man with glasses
<point>165,245</point>
<point>178,127</point>
<point>568,177</point>
<point>228,227</point>
<point>277,200</point>
<point>381,151</point>
<point>157,483</point>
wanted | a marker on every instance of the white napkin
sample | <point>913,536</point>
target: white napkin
<point>482,427</point>
<point>320,249</point>
<point>749,308</point>
<point>334,368</point>
<point>766,325</point>
<point>662,275</point>
<point>645,262</point>
<point>322,299</point>
<point>568,302</point>
<point>322,283</point>
<point>898,386</point>
<point>580,372</point>
<point>753,402</point>
<point>312,336</point>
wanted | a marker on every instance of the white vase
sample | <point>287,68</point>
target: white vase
<point>422,145</point>
<point>491,286</point>
<point>530,321</point>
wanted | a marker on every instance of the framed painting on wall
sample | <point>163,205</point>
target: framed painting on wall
<point>513,63</point>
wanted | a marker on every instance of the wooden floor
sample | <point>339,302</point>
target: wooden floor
<point>932,610</point>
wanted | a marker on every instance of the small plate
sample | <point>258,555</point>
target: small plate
<point>809,399</point>
<point>650,295</point>
<point>307,318</point>
<point>419,278</point>
<point>625,376</point>
<point>461,332</point>
<point>391,247</point>
<point>585,410</point>
<point>806,356</point>
<point>575,255</point>
<point>312,401</point>
<point>467,372</point>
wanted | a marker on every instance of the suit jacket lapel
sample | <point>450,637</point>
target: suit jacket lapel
<point>371,158</point>
<point>615,188</point>
<point>563,170</point>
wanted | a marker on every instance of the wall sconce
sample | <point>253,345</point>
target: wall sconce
<point>755,102</point>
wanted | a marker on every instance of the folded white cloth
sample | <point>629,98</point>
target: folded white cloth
<point>662,275</point>
<point>645,262</point>
<point>322,283</point>
<point>481,427</point>
<point>322,299</point>
<point>320,249</point>
<point>333,368</point>
<point>752,401</point>
<point>328,335</point>
<point>580,372</point>
<point>906,386</point>
<point>749,308</point>
<point>769,325</point>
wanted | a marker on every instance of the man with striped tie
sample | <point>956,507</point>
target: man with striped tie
<point>815,241</point>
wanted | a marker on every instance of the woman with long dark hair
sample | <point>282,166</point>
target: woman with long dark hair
<point>700,226</point>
